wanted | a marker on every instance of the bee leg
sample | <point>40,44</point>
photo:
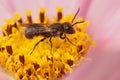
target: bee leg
<point>52,71</point>
<point>65,37</point>
<point>50,40</point>
<point>61,36</point>
<point>70,41</point>
<point>37,44</point>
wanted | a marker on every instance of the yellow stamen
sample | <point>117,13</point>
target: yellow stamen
<point>59,9</point>
<point>28,12</point>
<point>10,21</point>
<point>29,16</point>
<point>41,64</point>
<point>42,10</point>
<point>41,17</point>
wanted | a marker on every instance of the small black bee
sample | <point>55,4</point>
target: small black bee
<point>53,30</point>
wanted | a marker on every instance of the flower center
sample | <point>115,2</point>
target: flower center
<point>51,58</point>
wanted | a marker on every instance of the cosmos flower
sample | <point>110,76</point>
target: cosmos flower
<point>53,58</point>
<point>104,21</point>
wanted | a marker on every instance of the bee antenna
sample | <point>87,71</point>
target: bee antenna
<point>76,14</point>
<point>78,23</point>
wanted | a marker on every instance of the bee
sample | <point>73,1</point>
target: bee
<point>53,30</point>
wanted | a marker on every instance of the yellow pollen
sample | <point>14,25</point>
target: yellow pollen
<point>18,16</point>
<point>42,64</point>
<point>59,9</point>
<point>42,10</point>
<point>10,21</point>
<point>28,12</point>
<point>42,18</point>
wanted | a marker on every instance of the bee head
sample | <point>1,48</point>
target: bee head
<point>67,27</point>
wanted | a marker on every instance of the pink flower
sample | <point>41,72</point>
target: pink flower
<point>104,16</point>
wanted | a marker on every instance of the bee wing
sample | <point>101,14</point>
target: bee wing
<point>32,25</point>
<point>33,29</point>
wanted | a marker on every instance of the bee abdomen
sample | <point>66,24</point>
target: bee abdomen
<point>32,31</point>
<point>29,35</point>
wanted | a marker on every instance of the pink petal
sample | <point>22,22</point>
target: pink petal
<point>7,5</point>
<point>4,76</point>
<point>4,14</point>
<point>84,6</point>
<point>67,5</point>
<point>104,29</point>
<point>22,5</point>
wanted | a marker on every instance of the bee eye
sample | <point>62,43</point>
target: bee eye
<point>66,27</point>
